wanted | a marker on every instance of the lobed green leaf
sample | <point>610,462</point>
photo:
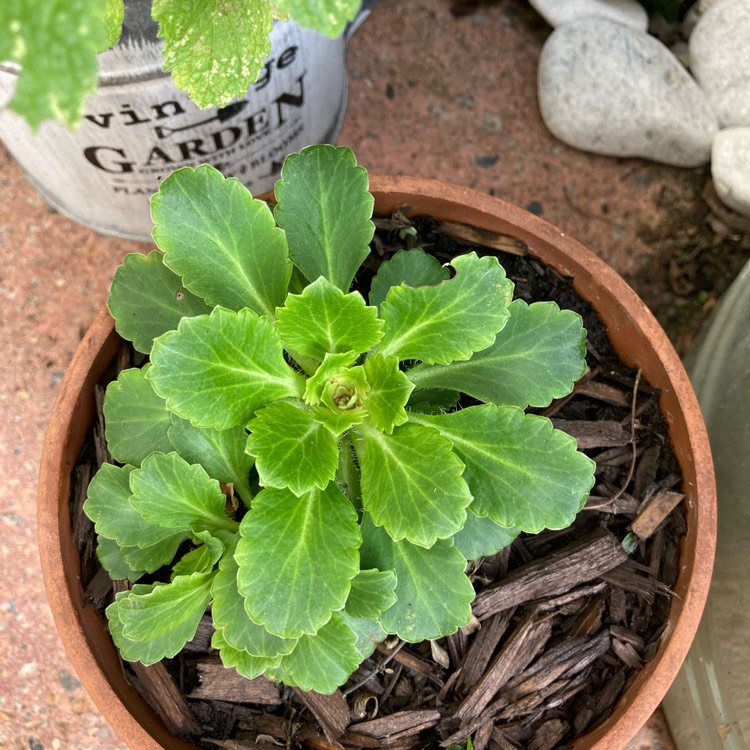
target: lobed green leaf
<point>323,320</point>
<point>246,664</point>
<point>388,394</point>
<point>368,632</point>
<point>214,49</point>
<point>411,267</point>
<point>373,592</point>
<point>110,556</point>
<point>220,452</point>
<point>328,17</point>
<point>216,370</point>
<point>521,471</point>
<point>166,608</point>
<point>412,483</point>
<point>297,557</point>
<point>136,419</point>
<point>55,43</point>
<point>325,208</point>
<point>146,651</point>
<point>201,559</point>
<point>223,243</point>
<point>481,536</point>
<point>291,448</point>
<point>449,321</point>
<point>144,546</point>
<point>433,593</point>
<point>325,660</point>
<point>147,299</point>
<point>233,622</point>
<point>537,357</point>
<point>172,493</point>
<point>113,18</point>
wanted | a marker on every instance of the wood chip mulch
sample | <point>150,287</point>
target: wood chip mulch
<point>563,620</point>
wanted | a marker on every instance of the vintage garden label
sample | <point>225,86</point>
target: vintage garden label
<point>140,128</point>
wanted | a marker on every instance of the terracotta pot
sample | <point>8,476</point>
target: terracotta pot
<point>636,336</point>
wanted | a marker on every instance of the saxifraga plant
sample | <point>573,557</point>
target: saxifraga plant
<point>303,459</point>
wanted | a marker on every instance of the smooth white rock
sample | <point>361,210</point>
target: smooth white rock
<point>693,15</point>
<point>606,88</point>
<point>730,168</point>
<point>558,12</point>
<point>720,59</point>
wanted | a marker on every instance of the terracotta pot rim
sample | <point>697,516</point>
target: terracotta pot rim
<point>487,213</point>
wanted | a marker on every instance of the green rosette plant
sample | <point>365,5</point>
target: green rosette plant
<point>305,459</point>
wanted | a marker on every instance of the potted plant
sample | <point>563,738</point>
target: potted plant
<point>302,461</point>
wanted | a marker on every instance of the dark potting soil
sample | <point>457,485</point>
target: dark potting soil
<point>563,620</point>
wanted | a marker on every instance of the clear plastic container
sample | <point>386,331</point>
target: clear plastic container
<point>708,706</point>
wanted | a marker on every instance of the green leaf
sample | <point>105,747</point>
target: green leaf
<point>433,593</point>
<point>337,421</point>
<point>201,559</point>
<point>246,664</point>
<point>331,364</point>
<point>169,491</point>
<point>449,321</point>
<point>521,471</point>
<point>325,208</point>
<point>136,419</point>
<point>216,370</point>
<point>334,381</point>
<point>110,556</point>
<point>113,18</point>
<point>412,483</point>
<point>389,392</point>
<point>324,661</point>
<point>368,632</point>
<point>224,243</point>
<point>481,536</point>
<point>328,17</point>
<point>108,506</point>
<point>432,400</point>
<point>411,267</point>
<point>323,320</point>
<point>153,650</point>
<point>373,592</point>
<point>55,43</point>
<point>297,556</point>
<point>147,299</point>
<point>214,49</point>
<point>291,449</point>
<point>220,452</point>
<point>231,618</point>
<point>155,556</point>
<point>536,358</point>
<point>166,608</point>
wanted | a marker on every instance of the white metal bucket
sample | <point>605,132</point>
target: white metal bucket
<point>139,127</point>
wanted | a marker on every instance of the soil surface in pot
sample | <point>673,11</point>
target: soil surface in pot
<point>563,620</point>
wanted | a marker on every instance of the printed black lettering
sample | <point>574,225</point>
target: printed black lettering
<point>132,115</point>
<point>291,100</point>
<point>160,110</point>
<point>98,156</point>
<point>160,155</point>
<point>101,120</point>
<point>192,148</point>
<point>287,57</point>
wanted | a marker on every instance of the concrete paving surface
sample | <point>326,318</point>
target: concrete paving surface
<point>432,93</point>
